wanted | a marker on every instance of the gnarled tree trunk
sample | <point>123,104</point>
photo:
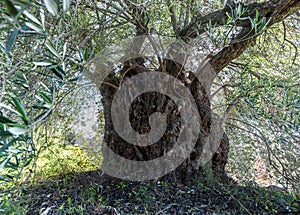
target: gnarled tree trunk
<point>151,102</point>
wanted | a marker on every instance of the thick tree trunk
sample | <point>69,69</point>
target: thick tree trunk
<point>274,11</point>
<point>151,102</point>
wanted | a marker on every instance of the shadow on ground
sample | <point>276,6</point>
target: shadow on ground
<point>94,193</point>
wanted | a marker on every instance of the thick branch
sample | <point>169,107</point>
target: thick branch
<point>219,17</point>
<point>277,9</point>
<point>273,10</point>
<point>234,50</point>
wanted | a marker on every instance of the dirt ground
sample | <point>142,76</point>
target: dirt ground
<point>94,193</point>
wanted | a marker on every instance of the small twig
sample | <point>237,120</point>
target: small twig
<point>290,42</point>
<point>173,16</point>
<point>166,208</point>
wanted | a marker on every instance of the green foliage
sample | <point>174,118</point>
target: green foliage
<point>7,206</point>
<point>52,6</point>
<point>61,159</point>
<point>33,74</point>
<point>267,111</point>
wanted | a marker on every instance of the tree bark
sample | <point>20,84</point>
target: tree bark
<point>151,102</point>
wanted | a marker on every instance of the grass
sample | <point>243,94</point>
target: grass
<point>8,206</point>
<point>61,159</point>
<point>67,182</point>
<point>57,159</point>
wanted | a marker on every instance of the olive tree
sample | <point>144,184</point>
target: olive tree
<point>52,45</point>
